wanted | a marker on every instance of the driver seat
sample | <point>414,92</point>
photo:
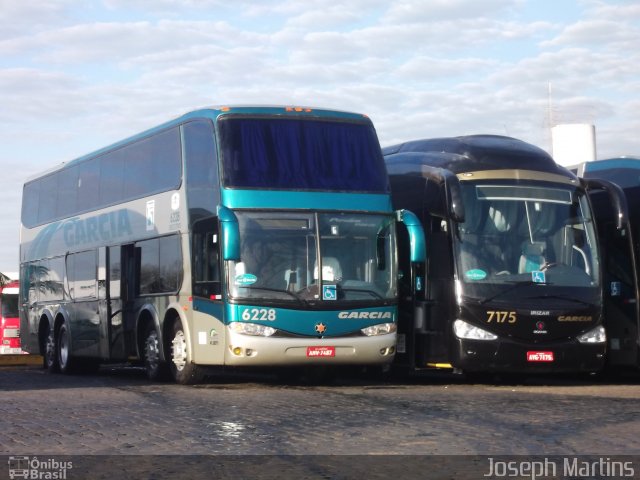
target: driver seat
<point>331,270</point>
<point>532,257</point>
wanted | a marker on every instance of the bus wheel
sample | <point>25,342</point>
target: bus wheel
<point>154,367</point>
<point>50,357</point>
<point>63,350</point>
<point>182,369</point>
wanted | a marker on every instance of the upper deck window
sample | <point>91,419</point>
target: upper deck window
<point>140,168</point>
<point>301,154</point>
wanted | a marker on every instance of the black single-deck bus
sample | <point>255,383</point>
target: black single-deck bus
<point>513,280</point>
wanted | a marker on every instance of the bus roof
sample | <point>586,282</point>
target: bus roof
<point>213,112</point>
<point>609,163</point>
<point>624,171</point>
<point>474,153</point>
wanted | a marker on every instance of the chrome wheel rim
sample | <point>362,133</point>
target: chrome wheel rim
<point>179,350</point>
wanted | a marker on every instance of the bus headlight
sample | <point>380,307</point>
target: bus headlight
<point>380,329</point>
<point>254,329</point>
<point>596,335</point>
<point>463,329</point>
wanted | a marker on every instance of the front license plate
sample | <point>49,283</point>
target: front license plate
<point>321,351</point>
<point>539,356</point>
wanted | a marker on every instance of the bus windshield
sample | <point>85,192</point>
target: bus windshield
<point>301,154</point>
<point>525,233</point>
<point>309,257</point>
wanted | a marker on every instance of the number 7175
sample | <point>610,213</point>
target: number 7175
<point>501,316</point>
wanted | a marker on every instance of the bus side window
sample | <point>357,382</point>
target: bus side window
<point>206,259</point>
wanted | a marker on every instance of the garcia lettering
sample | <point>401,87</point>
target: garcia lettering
<point>365,315</point>
<point>100,228</point>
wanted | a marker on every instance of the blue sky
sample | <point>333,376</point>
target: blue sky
<point>78,75</point>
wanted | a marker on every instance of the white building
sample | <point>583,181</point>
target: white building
<point>573,143</point>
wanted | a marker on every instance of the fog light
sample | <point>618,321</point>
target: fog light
<point>237,351</point>
<point>392,350</point>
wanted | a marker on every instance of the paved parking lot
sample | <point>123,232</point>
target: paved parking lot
<point>118,412</point>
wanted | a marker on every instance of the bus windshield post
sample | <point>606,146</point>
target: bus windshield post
<point>616,195</point>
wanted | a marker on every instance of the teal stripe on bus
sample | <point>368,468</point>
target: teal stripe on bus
<point>335,323</point>
<point>306,200</point>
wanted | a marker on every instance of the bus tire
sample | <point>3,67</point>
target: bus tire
<point>182,369</point>
<point>49,354</point>
<point>63,349</point>
<point>154,366</point>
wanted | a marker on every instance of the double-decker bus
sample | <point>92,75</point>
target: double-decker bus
<point>513,278</point>
<point>241,236</point>
<point>9,320</point>
<point>620,254</point>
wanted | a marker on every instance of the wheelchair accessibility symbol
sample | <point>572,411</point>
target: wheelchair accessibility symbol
<point>538,276</point>
<point>329,292</point>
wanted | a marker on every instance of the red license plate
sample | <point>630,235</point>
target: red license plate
<point>321,351</point>
<point>539,356</point>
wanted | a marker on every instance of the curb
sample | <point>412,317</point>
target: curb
<point>19,360</point>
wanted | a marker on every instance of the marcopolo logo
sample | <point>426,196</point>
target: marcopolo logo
<point>35,468</point>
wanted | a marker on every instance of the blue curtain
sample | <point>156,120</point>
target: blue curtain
<point>301,154</point>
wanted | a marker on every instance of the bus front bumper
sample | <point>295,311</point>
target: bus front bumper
<point>247,350</point>
<point>510,356</point>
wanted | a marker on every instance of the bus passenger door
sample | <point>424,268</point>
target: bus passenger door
<point>112,345</point>
<point>435,331</point>
<point>413,309</point>
<point>129,257</point>
<point>618,250</point>
<point>620,297</point>
<point>103,305</point>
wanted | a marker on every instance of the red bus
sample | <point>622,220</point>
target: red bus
<point>10,320</point>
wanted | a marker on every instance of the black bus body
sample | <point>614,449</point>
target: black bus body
<point>620,255</point>
<point>513,280</point>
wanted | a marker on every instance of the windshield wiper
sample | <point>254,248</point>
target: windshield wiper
<point>565,297</point>
<point>277,290</point>
<point>373,293</point>
<point>515,284</point>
